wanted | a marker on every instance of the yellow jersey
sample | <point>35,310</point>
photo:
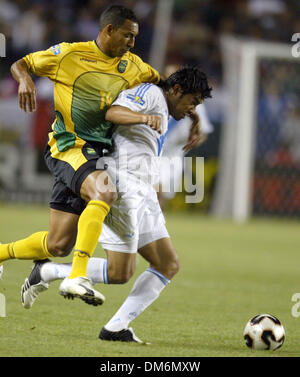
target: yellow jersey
<point>86,82</point>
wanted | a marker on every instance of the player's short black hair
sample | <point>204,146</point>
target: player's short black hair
<point>116,15</point>
<point>191,80</point>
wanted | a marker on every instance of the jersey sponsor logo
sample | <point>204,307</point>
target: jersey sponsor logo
<point>89,60</point>
<point>55,49</point>
<point>122,66</point>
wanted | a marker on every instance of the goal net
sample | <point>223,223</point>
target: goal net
<point>259,170</point>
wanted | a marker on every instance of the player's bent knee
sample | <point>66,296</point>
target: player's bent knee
<point>107,197</point>
<point>118,280</point>
<point>59,249</point>
<point>58,252</point>
<point>170,269</point>
<point>173,268</point>
<point>99,186</point>
<point>119,277</point>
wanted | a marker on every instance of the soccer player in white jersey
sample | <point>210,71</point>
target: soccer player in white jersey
<point>135,223</point>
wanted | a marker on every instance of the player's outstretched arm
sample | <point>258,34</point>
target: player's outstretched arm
<point>27,89</point>
<point>196,136</point>
<point>124,116</point>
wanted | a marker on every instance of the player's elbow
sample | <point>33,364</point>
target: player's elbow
<point>18,67</point>
<point>111,114</point>
<point>13,68</point>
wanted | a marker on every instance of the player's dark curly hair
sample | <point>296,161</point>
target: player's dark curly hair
<point>116,15</point>
<point>191,80</point>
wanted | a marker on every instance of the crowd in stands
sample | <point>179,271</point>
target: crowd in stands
<point>196,25</point>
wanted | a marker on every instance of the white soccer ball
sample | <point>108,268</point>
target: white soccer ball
<point>264,332</point>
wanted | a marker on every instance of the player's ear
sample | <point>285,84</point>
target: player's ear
<point>176,89</point>
<point>109,29</point>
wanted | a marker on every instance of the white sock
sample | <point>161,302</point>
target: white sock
<point>96,271</point>
<point>146,289</point>
<point>53,271</point>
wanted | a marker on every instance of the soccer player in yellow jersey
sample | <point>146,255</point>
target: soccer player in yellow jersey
<point>87,76</point>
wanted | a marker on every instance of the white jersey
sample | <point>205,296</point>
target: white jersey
<point>136,219</point>
<point>140,140</point>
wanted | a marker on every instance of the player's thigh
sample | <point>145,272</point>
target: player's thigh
<point>63,232</point>
<point>77,168</point>
<point>121,266</point>
<point>98,186</point>
<point>162,256</point>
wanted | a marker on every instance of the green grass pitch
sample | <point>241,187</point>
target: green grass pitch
<point>229,273</point>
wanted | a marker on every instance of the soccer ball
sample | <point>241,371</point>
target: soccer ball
<point>264,332</point>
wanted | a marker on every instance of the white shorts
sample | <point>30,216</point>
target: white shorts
<point>134,220</point>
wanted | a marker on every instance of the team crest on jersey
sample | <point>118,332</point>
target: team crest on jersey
<point>122,66</point>
<point>55,49</point>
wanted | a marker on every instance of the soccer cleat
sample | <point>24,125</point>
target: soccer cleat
<point>125,335</point>
<point>81,287</point>
<point>33,285</point>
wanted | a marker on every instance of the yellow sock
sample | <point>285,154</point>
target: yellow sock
<point>33,247</point>
<point>89,230</point>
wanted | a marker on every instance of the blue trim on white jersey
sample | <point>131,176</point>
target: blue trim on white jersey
<point>105,273</point>
<point>160,143</point>
<point>136,99</point>
<point>161,277</point>
<point>139,94</point>
<point>147,87</point>
<point>172,124</point>
<point>139,89</point>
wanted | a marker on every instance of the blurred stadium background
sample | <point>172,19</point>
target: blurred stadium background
<point>252,158</point>
<point>252,169</point>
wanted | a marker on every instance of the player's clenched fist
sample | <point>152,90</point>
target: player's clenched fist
<point>153,121</point>
<point>27,94</point>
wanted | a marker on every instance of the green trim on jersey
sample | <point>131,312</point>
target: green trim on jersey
<point>90,103</point>
<point>65,140</point>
